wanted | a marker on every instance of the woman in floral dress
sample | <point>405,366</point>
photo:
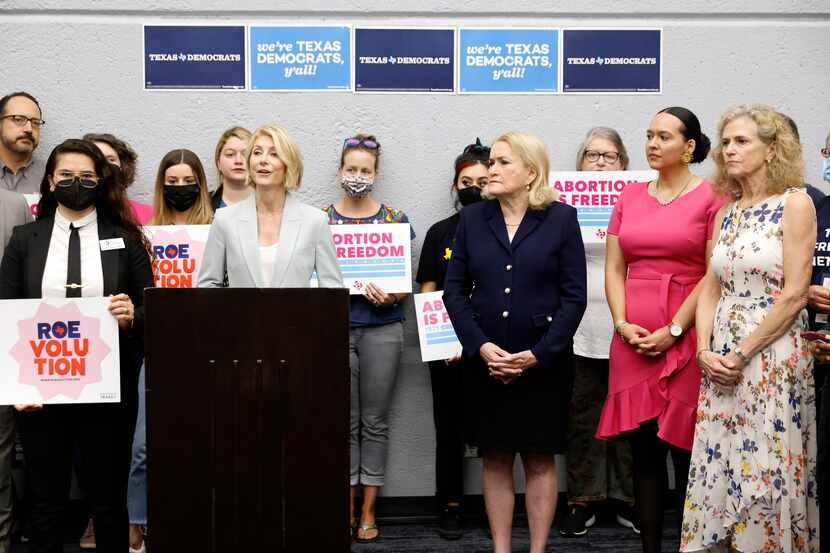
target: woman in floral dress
<point>753,471</point>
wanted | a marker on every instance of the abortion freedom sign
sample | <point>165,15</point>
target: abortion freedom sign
<point>593,194</point>
<point>374,253</point>
<point>435,330</point>
<point>58,350</point>
<point>177,254</point>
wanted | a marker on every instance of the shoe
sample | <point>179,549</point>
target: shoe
<point>578,521</point>
<point>365,527</point>
<point>449,525</point>
<point>142,549</point>
<point>627,517</point>
<point>88,539</point>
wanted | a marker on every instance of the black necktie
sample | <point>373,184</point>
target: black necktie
<point>73,267</point>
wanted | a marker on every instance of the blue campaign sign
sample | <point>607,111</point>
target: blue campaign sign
<point>508,60</point>
<point>404,60</point>
<point>194,56</point>
<point>300,58</point>
<point>611,60</point>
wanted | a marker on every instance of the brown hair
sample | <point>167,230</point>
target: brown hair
<point>784,170</point>
<point>202,211</point>
<point>241,133</point>
<point>361,137</point>
<point>126,155</point>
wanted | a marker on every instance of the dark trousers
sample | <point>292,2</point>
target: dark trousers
<point>103,436</point>
<point>823,468</point>
<point>448,412</point>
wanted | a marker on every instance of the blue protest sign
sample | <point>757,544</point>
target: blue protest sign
<point>508,60</point>
<point>300,58</point>
<point>404,60</point>
<point>611,60</point>
<point>194,56</point>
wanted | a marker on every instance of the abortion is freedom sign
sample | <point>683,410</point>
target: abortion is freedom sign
<point>374,253</point>
<point>593,194</point>
<point>435,330</point>
<point>177,254</point>
<point>58,350</point>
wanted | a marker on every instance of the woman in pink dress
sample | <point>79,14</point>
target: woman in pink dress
<point>659,241</point>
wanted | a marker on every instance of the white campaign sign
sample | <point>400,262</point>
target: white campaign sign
<point>435,330</point>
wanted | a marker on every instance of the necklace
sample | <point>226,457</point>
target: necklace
<point>662,202</point>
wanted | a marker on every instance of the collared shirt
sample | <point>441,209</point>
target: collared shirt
<point>92,274</point>
<point>26,180</point>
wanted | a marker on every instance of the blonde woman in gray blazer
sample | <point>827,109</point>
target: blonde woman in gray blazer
<point>271,239</point>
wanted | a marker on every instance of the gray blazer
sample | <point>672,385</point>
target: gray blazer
<point>305,246</point>
<point>14,211</point>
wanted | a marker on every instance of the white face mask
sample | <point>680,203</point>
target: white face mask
<point>825,170</point>
<point>356,186</point>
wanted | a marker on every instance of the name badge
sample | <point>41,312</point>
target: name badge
<point>112,244</point>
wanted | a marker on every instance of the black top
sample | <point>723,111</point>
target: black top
<point>437,251</point>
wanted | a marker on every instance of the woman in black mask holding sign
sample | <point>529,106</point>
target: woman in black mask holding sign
<point>181,195</point>
<point>470,178</point>
<point>85,243</point>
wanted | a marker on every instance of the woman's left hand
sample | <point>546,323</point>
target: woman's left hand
<point>378,297</point>
<point>655,343</point>
<point>122,308</point>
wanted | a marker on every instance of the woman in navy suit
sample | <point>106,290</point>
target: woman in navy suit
<point>84,243</point>
<point>515,290</point>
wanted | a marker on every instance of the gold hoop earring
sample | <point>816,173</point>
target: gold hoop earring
<point>686,158</point>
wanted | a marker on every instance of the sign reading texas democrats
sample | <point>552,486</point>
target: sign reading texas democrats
<point>593,194</point>
<point>404,60</point>
<point>58,350</point>
<point>374,253</point>
<point>188,57</point>
<point>178,251</point>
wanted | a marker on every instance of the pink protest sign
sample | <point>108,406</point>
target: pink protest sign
<point>58,350</point>
<point>177,254</point>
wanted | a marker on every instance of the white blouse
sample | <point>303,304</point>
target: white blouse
<point>53,284</point>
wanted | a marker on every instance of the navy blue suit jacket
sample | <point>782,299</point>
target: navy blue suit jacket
<point>528,294</point>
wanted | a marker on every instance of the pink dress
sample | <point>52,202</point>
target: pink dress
<point>665,249</point>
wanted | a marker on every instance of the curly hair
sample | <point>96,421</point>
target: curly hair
<point>784,170</point>
<point>126,155</point>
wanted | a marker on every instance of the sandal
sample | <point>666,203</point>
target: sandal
<point>365,527</point>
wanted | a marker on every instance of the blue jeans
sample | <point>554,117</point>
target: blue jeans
<point>137,485</point>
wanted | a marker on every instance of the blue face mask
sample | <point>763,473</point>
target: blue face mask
<point>826,172</point>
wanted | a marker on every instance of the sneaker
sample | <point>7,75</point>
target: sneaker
<point>88,539</point>
<point>449,525</point>
<point>578,521</point>
<point>627,517</point>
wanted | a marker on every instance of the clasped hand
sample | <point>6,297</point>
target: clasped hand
<point>723,370</point>
<point>650,344</point>
<point>504,366</point>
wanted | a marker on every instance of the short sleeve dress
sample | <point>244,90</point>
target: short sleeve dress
<point>665,249</point>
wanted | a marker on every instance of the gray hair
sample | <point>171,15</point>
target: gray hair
<point>608,134</point>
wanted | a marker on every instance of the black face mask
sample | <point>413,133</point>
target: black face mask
<point>76,194</point>
<point>181,198</point>
<point>469,195</point>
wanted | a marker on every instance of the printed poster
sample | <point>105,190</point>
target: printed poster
<point>374,253</point>
<point>178,251</point>
<point>435,330</point>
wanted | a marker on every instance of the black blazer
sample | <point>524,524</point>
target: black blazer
<point>126,270</point>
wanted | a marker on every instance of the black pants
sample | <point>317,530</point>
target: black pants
<point>823,469</point>
<point>448,412</point>
<point>651,481</point>
<point>102,433</point>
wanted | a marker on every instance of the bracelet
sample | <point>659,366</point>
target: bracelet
<point>618,326</point>
<point>740,355</point>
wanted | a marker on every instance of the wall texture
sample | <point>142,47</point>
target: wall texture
<point>82,59</point>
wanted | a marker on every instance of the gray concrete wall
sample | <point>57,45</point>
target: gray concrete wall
<point>82,59</point>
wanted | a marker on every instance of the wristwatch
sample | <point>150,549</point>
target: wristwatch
<point>675,330</point>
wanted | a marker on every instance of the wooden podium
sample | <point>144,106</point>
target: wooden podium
<point>247,419</point>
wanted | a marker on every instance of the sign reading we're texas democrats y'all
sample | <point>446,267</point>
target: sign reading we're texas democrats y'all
<point>435,330</point>
<point>58,350</point>
<point>594,194</point>
<point>374,253</point>
<point>178,251</point>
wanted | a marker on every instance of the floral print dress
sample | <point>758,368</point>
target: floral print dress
<point>752,481</point>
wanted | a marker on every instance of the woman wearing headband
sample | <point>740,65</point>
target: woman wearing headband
<point>375,336</point>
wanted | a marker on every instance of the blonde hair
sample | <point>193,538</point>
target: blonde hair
<point>287,151</point>
<point>241,133</point>
<point>784,170</point>
<point>202,211</point>
<point>534,154</point>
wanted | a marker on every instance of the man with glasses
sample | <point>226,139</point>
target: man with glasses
<point>20,123</point>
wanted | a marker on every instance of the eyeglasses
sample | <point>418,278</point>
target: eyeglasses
<point>825,152</point>
<point>609,157</point>
<point>21,120</point>
<point>62,176</point>
<point>355,142</point>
